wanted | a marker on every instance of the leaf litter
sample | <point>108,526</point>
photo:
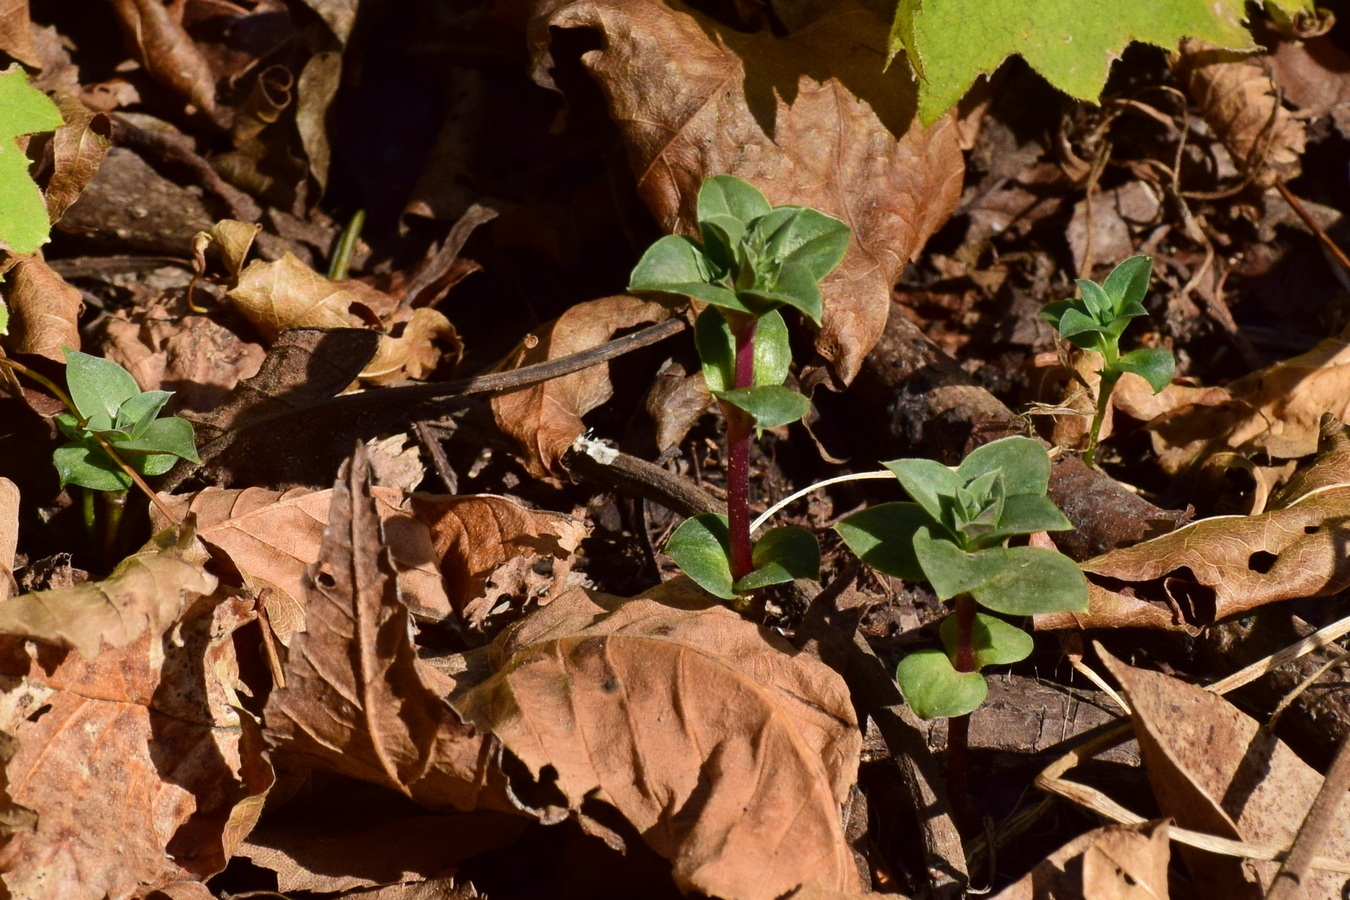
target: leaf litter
<point>364,688</point>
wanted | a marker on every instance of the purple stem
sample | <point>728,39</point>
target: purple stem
<point>740,429</point>
<point>958,727</point>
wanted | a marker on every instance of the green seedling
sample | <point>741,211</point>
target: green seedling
<point>752,260</point>
<point>109,411</point>
<point>1097,319</point>
<point>953,536</point>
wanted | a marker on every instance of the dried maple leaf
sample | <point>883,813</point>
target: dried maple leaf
<point>814,119</point>
<point>726,749</point>
<point>546,417</point>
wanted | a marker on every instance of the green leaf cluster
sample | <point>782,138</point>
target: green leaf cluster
<point>702,547</point>
<point>24,223</point>
<point>952,536</point>
<point>1100,315</point>
<point>110,405</point>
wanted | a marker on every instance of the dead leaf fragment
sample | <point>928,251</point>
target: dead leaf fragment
<point>16,33</point>
<point>814,118</point>
<point>43,311</point>
<point>413,352</point>
<point>9,535</point>
<point>1118,862</point>
<point>727,750</point>
<point>168,52</point>
<point>78,147</point>
<point>546,417</point>
<point>1215,770</point>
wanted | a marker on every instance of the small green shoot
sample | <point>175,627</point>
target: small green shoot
<point>752,260</point>
<point>953,536</point>
<point>111,411</point>
<point>1097,319</point>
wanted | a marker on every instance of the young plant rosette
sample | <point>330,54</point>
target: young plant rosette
<point>1097,319</point>
<point>752,259</point>
<point>953,536</point>
<point>110,405</point>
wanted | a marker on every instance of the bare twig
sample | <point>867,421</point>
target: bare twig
<point>1332,247</point>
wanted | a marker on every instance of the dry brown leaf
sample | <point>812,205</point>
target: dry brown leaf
<point>78,147</point>
<point>16,33</point>
<point>234,238</point>
<point>168,52</point>
<point>355,701</point>
<point>814,118</point>
<point>1275,411</point>
<point>1314,75</point>
<point>135,762</point>
<point>489,548</point>
<point>675,402</point>
<point>1118,862</point>
<point>546,417</point>
<point>316,88</point>
<point>729,751</point>
<point>43,311</point>
<point>9,535</point>
<point>273,537</point>
<point>146,592</point>
<point>1240,104</point>
<point>412,352</point>
<point>1214,769</point>
<point>1220,567</point>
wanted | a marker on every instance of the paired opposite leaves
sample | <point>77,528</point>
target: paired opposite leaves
<point>702,548</point>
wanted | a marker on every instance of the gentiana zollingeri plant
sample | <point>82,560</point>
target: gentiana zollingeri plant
<point>116,436</point>
<point>1097,319</point>
<point>752,259</point>
<point>954,536</point>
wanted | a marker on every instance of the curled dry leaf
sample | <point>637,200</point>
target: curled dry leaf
<point>130,759</point>
<point>413,351</point>
<point>356,701</point>
<point>43,311</point>
<point>1240,104</point>
<point>273,537</point>
<point>726,749</point>
<point>546,418</point>
<point>1220,567</point>
<point>78,146</point>
<point>489,548</point>
<point>168,52</point>
<point>1275,411</point>
<point>16,33</point>
<point>814,119</point>
<point>1214,769</point>
<point>1118,862</point>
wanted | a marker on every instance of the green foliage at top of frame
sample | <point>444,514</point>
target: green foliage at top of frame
<point>111,406</point>
<point>24,224</point>
<point>950,43</point>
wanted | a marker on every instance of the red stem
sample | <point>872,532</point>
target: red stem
<point>740,429</point>
<point>958,727</point>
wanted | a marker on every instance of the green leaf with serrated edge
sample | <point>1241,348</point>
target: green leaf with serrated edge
<point>87,465</point>
<point>770,405</point>
<point>136,414</point>
<point>1129,281</point>
<point>727,195</point>
<point>934,689</point>
<point>172,436</point>
<point>1155,365</point>
<point>810,239</point>
<point>993,642</point>
<point>1024,463</point>
<point>717,350</point>
<point>951,42</point>
<point>1024,514</point>
<point>781,555</point>
<point>24,222</point>
<point>931,484</point>
<point>883,537</point>
<point>701,547</point>
<point>795,286</point>
<point>98,386</point>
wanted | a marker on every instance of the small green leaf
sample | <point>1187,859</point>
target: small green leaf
<point>1017,581</point>
<point>701,547</point>
<point>794,286</point>
<point>883,537</point>
<point>1128,283</point>
<point>676,265</point>
<point>1024,514</point>
<point>172,436</point>
<point>931,484</point>
<point>810,239</point>
<point>1024,463</point>
<point>24,222</point>
<point>993,642</point>
<point>136,414</point>
<point>87,464</point>
<point>717,350</point>
<point>770,405</point>
<point>934,689</point>
<point>729,196</point>
<point>1155,365</point>
<point>782,554</point>
<point>1096,301</point>
<point>98,387</point>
